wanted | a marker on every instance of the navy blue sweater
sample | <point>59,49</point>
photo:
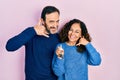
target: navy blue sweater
<point>39,53</point>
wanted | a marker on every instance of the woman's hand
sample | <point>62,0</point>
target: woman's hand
<point>82,41</point>
<point>60,52</point>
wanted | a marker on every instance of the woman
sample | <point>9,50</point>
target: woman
<point>75,53</point>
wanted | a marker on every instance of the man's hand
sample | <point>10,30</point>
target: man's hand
<point>40,29</point>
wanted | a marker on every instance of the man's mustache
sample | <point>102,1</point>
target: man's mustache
<point>52,27</point>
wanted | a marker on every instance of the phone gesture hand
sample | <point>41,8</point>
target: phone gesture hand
<point>82,41</point>
<point>40,29</point>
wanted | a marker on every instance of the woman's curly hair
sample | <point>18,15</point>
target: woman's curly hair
<point>84,32</point>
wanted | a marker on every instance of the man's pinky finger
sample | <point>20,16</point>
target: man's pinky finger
<point>46,35</point>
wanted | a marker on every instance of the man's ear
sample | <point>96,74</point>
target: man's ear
<point>42,21</point>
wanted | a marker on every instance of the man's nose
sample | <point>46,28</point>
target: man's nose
<point>55,24</point>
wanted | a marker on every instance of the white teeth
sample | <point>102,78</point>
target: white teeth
<point>72,37</point>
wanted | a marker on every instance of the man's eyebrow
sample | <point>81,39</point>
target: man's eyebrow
<point>52,21</point>
<point>58,20</point>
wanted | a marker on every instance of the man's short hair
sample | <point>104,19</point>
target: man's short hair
<point>48,10</point>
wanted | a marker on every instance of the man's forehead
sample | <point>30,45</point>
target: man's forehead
<point>52,15</point>
<point>52,19</point>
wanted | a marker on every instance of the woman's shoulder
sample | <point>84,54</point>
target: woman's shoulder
<point>61,43</point>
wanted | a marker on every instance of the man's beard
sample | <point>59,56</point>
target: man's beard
<point>48,30</point>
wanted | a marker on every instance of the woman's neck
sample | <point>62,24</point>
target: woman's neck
<point>71,43</point>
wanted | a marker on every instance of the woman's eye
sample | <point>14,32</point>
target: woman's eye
<point>77,31</point>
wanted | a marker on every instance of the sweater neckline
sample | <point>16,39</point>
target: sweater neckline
<point>69,45</point>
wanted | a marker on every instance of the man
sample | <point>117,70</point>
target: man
<point>40,42</point>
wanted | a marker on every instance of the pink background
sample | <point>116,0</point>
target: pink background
<point>102,18</point>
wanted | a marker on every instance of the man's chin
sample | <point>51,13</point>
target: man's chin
<point>53,31</point>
